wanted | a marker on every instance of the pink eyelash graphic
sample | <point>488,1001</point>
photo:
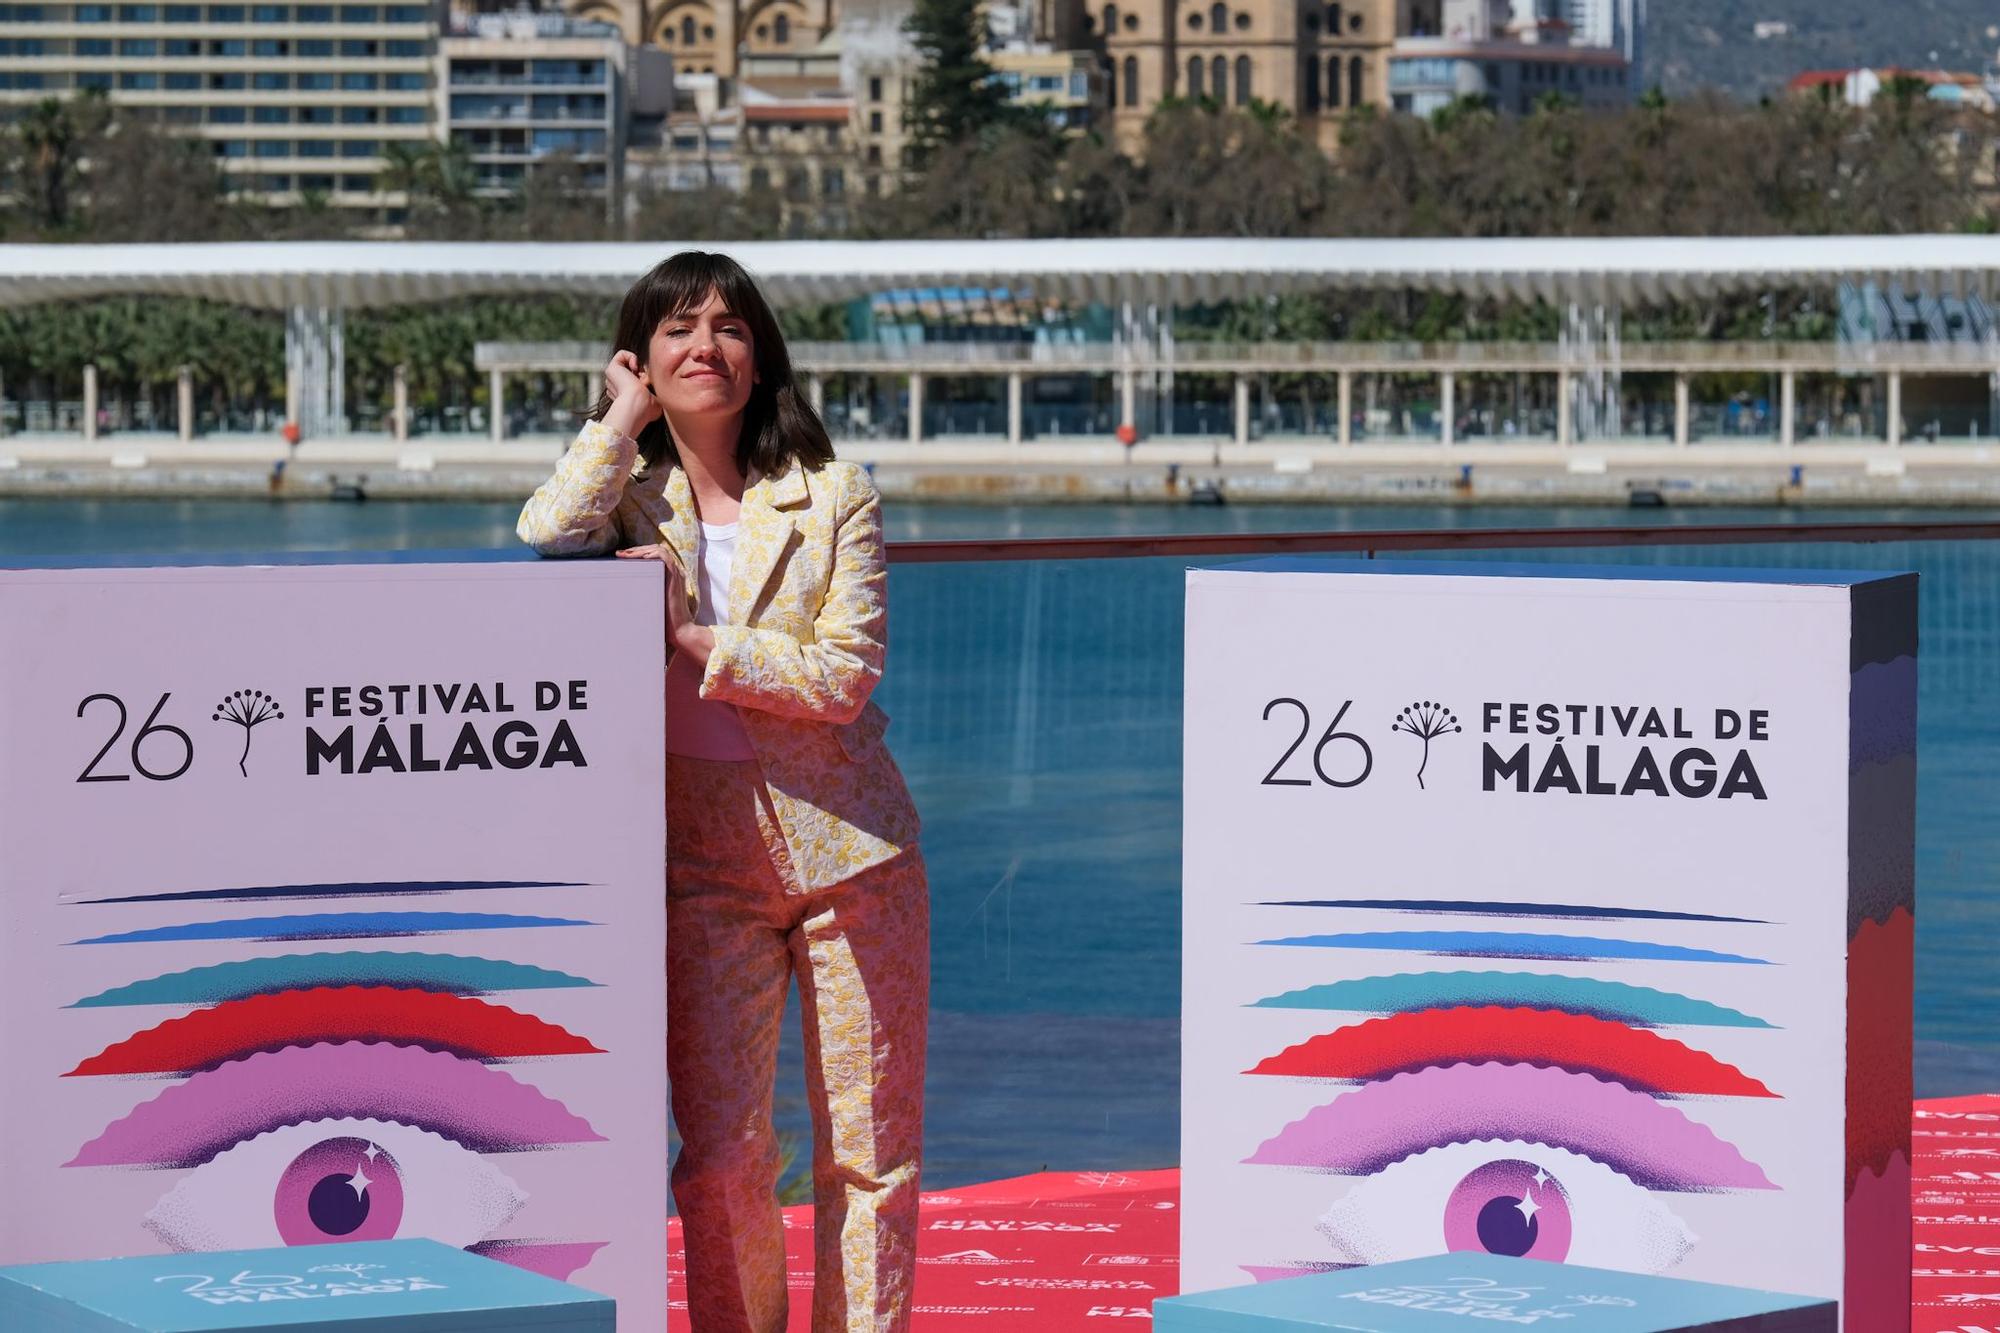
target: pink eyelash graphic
<point>1650,1142</point>
<point>480,1107</point>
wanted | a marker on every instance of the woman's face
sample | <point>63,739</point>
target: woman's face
<point>702,363</point>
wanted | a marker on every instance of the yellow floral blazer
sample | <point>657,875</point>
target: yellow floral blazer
<point>808,592</point>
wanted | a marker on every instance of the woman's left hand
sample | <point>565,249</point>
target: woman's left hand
<point>683,633</point>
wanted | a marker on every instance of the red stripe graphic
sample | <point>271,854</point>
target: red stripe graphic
<point>455,1023</point>
<point>1638,1058</point>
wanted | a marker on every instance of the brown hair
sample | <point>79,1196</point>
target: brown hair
<point>779,425</point>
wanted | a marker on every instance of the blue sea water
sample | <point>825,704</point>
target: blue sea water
<point>1037,714</point>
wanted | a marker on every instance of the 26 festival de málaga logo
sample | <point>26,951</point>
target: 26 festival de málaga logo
<point>348,730</point>
<point>1538,748</point>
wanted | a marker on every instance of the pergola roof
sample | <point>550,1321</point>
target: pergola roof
<point>1635,270</point>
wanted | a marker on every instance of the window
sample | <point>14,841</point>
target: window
<point>1194,20</point>
<point>359,115</point>
<point>406,115</point>
<point>270,13</point>
<point>875,89</point>
<point>798,184</point>
<point>315,49</point>
<point>232,47</point>
<point>272,148</point>
<point>874,154</point>
<point>139,82</point>
<point>227,83</point>
<point>272,115</point>
<point>1218,18</point>
<point>403,50</point>
<point>1333,83</point>
<point>1218,78</point>
<point>403,14</point>
<point>93,13</point>
<point>315,148</point>
<point>833,136</point>
<point>1243,80</point>
<point>140,14</point>
<point>181,46</point>
<point>1333,19</point>
<point>183,13</point>
<point>760,178</point>
<point>359,83</point>
<point>357,184</point>
<point>833,183</point>
<point>274,184</point>
<point>1131,81</point>
<point>270,82</point>
<point>1195,67</point>
<point>687,31</point>
<point>93,46</point>
<point>360,48</point>
<point>874,122</point>
<point>225,13</point>
<point>1110,83</point>
<point>267,47</point>
<point>315,83</point>
<point>1311,72</point>
<point>181,115</point>
<point>1242,21</point>
<point>1110,20</point>
<point>183,83</point>
<point>406,83</point>
<point>363,14</point>
<point>781,29</point>
<point>314,115</point>
<point>230,148</point>
<point>94,81</point>
<point>1355,90</point>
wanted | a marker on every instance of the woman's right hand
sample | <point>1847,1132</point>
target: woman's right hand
<point>633,406</point>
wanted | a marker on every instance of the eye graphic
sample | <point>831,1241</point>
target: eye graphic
<point>1511,944</point>
<point>208,1037</point>
<point>333,926</point>
<point>1522,1200</point>
<point>475,1105</point>
<point>1613,1001</point>
<point>333,1180</point>
<point>1649,1142</point>
<point>448,974</point>
<point>1637,1058</point>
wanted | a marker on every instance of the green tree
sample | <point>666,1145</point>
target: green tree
<point>55,136</point>
<point>956,96</point>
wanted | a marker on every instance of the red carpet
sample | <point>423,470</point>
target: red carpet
<point>1066,1251</point>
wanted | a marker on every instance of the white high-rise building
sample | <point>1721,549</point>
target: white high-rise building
<point>1618,24</point>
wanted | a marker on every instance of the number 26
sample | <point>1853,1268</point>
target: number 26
<point>1332,735</point>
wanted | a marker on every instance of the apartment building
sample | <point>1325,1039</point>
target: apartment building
<point>518,89</point>
<point>293,99</point>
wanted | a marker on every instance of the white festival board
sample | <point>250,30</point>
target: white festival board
<point>331,910</point>
<point>1552,911</point>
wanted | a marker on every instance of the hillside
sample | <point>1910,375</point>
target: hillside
<point>1711,43</point>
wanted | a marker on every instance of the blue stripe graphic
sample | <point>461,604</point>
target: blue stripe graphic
<point>1557,911</point>
<point>334,926</point>
<point>1500,944</point>
<point>357,890</point>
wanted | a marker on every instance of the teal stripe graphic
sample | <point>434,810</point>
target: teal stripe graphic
<point>1408,992</point>
<point>450,973</point>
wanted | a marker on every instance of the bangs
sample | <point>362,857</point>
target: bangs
<point>683,285</point>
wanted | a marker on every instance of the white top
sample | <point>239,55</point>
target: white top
<point>699,728</point>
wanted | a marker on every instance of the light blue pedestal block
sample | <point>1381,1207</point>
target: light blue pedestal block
<point>1484,1291</point>
<point>388,1286</point>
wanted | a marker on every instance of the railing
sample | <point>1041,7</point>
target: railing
<point>1943,358</point>
<point>1213,545</point>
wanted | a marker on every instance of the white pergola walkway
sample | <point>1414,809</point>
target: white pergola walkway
<point>315,282</point>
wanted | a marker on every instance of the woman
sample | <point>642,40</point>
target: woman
<point>791,839</point>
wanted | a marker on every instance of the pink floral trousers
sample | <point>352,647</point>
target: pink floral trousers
<point>738,931</point>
